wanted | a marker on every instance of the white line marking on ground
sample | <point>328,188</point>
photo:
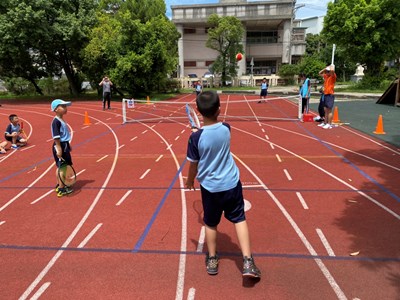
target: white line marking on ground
<point>2,222</point>
<point>177,138</point>
<point>97,123</point>
<point>302,201</point>
<point>100,159</point>
<point>278,158</point>
<point>183,131</point>
<point>41,197</point>
<point>169,146</point>
<point>108,119</point>
<point>123,198</point>
<point>145,173</point>
<point>252,185</point>
<point>134,138</point>
<point>121,146</point>
<point>263,130</point>
<point>144,131</point>
<point>152,126</point>
<point>267,137</point>
<point>202,236</point>
<point>26,148</point>
<point>85,127</point>
<point>336,288</point>
<point>159,158</point>
<point>325,242</point>
<point>89,236</point>
<point>80,172</point>
<point>191,294</point>
<point>49,140</point>
<point>40,291</point>
<point>272,146</point>
<point>287,174</point>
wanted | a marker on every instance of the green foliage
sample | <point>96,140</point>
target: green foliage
<point>225,35</point>
<point>366,30</point>
<point>311,65</point>
<point>136,47</point>
<point>51,86</point>
<point>288,71</point>
<point>19,86</point>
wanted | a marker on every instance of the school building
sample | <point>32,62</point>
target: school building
<point>271,37</point>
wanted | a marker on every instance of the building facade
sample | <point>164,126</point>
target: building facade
<point>271,37</point>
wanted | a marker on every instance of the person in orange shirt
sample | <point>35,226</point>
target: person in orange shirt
<point>329,94</point>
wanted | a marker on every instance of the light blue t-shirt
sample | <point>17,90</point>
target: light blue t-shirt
<point>264,85</point>
<point>210,147</point>
<point>59,130</point>
<point>305,90</point>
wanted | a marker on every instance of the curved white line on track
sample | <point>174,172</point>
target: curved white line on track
<point>336,288</point>
<point>376,202</point>
<point>54,259</point>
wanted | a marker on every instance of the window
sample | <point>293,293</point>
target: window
<point>189,30</point>
<point>190,63</point>
<point>262,37</point>
<point>209,62</point>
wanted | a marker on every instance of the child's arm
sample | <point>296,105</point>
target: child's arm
<point>191,175</point>
<point>58,148</point>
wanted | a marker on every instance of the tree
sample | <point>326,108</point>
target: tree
<point>134,43</point>
<point>43,37</point>
<point>225,35</point>
<point>366,30</point>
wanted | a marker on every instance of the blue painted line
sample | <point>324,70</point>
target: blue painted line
<point>195,253</point>
<point>158,209</point>
<point>365,175</point>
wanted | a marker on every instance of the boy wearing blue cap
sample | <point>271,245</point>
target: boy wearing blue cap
<point>61,137</point>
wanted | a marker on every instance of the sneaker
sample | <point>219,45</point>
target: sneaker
<point>249,268</point>
<point>327,126</point>
<point>212,264</point>
<point>321,124</point>
<point>14,146</point>
<point>57,187</point>
<point>64,191</point>
<point>317,119</point>
<point>68,190</point>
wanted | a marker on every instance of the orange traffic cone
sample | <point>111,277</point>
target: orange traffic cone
<point>336,115</point>
<point>379,126</point>
<point>148,100</point>
<point>86,121</point>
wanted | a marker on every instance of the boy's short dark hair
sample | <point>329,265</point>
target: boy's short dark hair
<point>11,117</point>
<point>208,103</point>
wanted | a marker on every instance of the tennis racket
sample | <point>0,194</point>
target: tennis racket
<point>23,131</point>
<point>66,173</point>
<point>193,119</point>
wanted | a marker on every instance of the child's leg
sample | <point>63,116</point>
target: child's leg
<point>242,232</point>
<point>211,239</point>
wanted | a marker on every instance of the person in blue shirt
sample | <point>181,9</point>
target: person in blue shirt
<point>198,88</point>
<point>61,136</point>
<point>305,92</point>
<point>13,132</point>
<point>221,191</point>
<point>264,90</point>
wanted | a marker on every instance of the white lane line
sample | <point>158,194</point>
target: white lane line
<point>134,138</point>
<point>85,127</point>
<point>177,138</point>
<point>278,158</point>
<point>202,236</point>
<point>26,148</point>
<point>183,131</point>
<point>272,146</point>
<point>144,131</point>
<point>108,119</point>
<point>40,291</point>
<point>302,201</point>
<point>80,172</point>
<point>287,174</point>
<point>97,123</point>
<point>41,197</point>
<point>89,236</point>
<point>2,222</point>
<point>152,126</point>
<point>267,137</point>
<point>144,174</point>
<point>123,198</point>
<point>121,146</point>
<point>252,185</point>
<point>263,130</point>
<point>100,159</point>
<point>169,146</point>
<point>191,294</point>
<point>325,242</point>
<point>159,157</point>
<point>49,140</point>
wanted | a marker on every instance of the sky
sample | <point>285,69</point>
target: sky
<point>312,8</point>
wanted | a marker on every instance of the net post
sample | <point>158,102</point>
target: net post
<point>299,106</point>
<point>123,110</point>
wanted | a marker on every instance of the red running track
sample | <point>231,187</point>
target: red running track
<point>130,230</point>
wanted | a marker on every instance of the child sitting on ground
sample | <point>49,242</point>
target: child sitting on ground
<point>13,132</point>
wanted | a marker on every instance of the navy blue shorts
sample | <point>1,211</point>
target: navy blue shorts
<point>229,202</point>
<point>329,100</point>
<point>66,153</point>
<point>263,93</point>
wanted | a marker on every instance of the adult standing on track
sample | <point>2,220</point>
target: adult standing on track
<point>106,84</point>
<point>329,98</point>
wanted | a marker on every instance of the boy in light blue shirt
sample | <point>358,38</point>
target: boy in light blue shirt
<point>221,190</point>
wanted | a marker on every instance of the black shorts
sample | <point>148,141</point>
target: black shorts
<point>263,93</point>
<point>229,202</point>
<point>66,153</point>
<point>9,138</point>
<point>329,100</point>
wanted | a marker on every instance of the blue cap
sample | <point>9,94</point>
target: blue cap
<point>58,102</point>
